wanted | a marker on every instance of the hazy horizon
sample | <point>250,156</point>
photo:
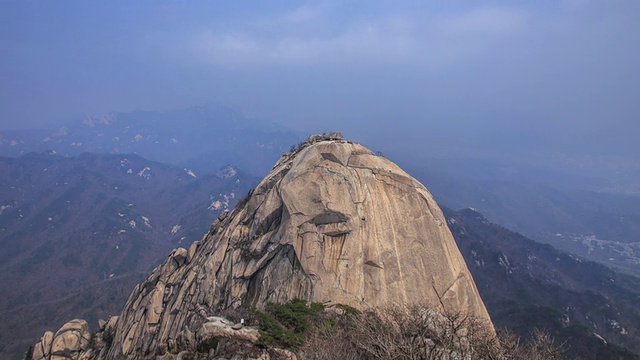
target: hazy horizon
<point>525,114</point>
<point>501,76</point>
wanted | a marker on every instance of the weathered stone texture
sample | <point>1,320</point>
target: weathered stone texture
<point>332,222</point>
<point>70,342</point>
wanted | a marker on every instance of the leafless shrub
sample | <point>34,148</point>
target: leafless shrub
<point>414,332</point>
<point>544,347</point>
<point>418,332</point>
<point>329,343</point>
<point>541,346</point>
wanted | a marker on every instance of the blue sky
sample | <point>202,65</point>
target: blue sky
<point>537,73</point>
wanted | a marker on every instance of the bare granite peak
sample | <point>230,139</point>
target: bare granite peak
<point>332,222</point>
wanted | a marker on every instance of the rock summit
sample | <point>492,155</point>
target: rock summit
<point>332,222</point>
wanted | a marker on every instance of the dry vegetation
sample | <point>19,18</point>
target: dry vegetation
<point>316,332</point>
<point>413,333</point>
<point>420,333</point>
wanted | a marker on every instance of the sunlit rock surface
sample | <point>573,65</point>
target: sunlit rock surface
<point>332,222</point>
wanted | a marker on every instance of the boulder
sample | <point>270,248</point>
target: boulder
<point>111,323</point>
<point>71,341</point>
<point>42,349</point>
<point>179,256</point>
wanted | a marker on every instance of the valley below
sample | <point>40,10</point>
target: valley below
<point>81,229</point>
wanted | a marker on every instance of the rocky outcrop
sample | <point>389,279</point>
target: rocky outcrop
<point>332,223</point>
<point>217,328</point>
<point>70,342</point>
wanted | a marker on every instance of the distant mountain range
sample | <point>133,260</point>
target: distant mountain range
<point>580,213</point>
<point>597,225</point>
<point>74,229</point>
<point>201,138</point>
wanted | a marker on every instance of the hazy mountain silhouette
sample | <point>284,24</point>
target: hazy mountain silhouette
<point>202,138</point>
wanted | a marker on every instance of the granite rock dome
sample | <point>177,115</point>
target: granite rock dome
<point>332,222</point>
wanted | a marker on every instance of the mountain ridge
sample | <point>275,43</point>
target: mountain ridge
<point>70,224</point>
<point>223,136</point>
<point>587,306</point>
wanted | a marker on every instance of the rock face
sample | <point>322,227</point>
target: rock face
<point>332,222</point>
<point>70,342</point>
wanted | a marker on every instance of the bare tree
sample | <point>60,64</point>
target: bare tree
<point>422,333</point>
